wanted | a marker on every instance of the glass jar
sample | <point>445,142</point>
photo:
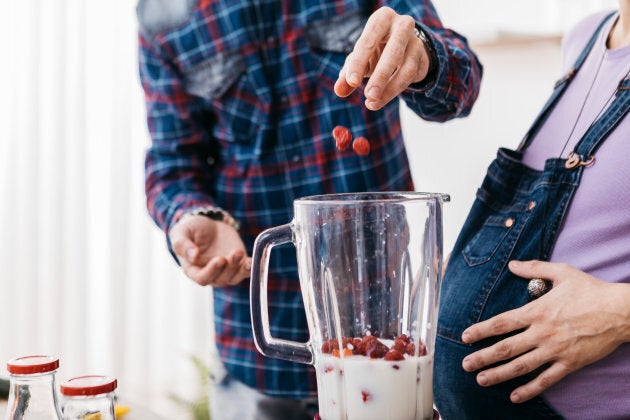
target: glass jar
<point>32,393</point>
<point>89,398</point>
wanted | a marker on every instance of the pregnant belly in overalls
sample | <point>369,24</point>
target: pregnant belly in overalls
<point>516,216</point>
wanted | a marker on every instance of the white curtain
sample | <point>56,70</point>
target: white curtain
<point>84,274</point>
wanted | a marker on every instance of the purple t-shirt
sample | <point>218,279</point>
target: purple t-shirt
<point>595,237</point>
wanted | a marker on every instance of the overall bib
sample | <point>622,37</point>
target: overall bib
<point>517,215</point>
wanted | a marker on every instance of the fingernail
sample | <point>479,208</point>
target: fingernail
<point>515,263</point>
<point>465,336</point>
<point>466,364</point>
<point>374,92</point>
<point>190,253</point>
<point>220,264</point>
<point>481,379</point>
<point>515,397</point>
<point>248,267</point>
<point>354,79</point>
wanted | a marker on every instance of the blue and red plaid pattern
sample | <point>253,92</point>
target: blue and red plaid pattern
<point>240,109</point>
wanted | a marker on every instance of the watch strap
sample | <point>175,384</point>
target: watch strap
<point>432,72</point>
<point>215,213</point>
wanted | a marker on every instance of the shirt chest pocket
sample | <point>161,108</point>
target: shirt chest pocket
<point>331,40</point>
<point>223,82</point>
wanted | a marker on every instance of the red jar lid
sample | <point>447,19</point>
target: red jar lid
<point>88,385</point>
<point>29,365</point>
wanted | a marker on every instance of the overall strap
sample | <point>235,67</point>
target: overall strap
<point>561,85</point>
<point>606,123</point>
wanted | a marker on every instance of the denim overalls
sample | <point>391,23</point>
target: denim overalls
<point>517,214</point>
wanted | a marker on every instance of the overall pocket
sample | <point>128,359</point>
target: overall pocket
<point>477,282</point>
<point>486,242</point>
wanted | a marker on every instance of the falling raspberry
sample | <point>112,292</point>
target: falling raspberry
<point>361,146</point>
<point>342,137</point>
<point>366,396</point>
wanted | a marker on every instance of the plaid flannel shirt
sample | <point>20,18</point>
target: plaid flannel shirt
<point>240,109</point>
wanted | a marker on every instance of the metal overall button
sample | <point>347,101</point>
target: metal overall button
<point>574,160</point>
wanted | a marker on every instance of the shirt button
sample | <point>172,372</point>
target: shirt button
<point>509,222</point>
<point>210,160</point>
<point>295,158</point>
<point>531,205</point>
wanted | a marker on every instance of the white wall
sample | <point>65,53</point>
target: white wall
<point>485,18</point>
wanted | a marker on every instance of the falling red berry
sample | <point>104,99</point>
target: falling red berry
<point>365,396</point>
<point>361,146</point>
<point>342,137</point>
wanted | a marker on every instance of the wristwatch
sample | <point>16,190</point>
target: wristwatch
<point>215,213</point>
<point>433,59</point>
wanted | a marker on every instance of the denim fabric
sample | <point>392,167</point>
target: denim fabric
<point>517,214</point>
<point>505,223</point>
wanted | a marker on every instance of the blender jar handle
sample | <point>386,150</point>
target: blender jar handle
<point>266,344</point>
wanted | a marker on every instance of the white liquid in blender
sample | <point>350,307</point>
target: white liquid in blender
<point>359,388</point>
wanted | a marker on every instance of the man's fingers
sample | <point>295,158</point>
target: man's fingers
<point>520,366</point>
<point>500,324</point>
<point>535,387</point>
<point>185,248</point>
<point>403,77</point>
<point>382,55</point>
<point>540,269</point>
<point>376,30</point>
<point>206,275</point>
<point>503,350</point>
<point>342,88</point>
<point>220,271</point>
<point>246,266</point>
<point>231,273</point>
<point>391,58</point>
<point>241,262</point>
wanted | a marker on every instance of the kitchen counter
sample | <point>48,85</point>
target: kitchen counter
<point>137,412</point>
